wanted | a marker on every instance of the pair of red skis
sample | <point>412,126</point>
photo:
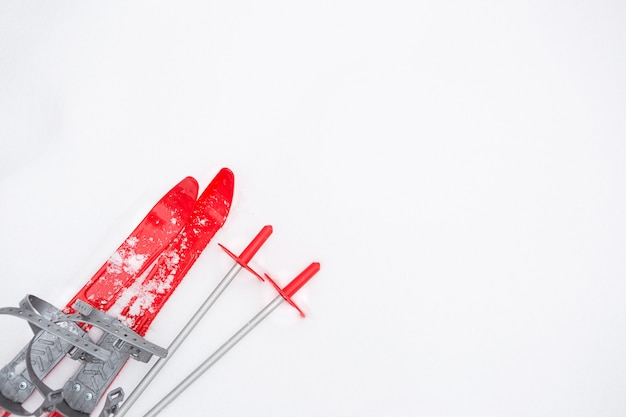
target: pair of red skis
<point>132,287</point>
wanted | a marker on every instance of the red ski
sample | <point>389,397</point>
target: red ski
<point>162,224</point>
<point>138,279</point>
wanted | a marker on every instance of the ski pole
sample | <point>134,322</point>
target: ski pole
<point>284,295</point>
<point>241,261</point>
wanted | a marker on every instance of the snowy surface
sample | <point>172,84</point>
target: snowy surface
<point>458,169</point>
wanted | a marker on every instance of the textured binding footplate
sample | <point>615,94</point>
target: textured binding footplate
<point>47,349</point>
<point>58,334</point>
<point>83,391</point>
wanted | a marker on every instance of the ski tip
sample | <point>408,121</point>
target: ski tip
<point>190,180</point>
<point>228,182</point>
<point>222,184</point>
<point>190,186</point>
<point>226,176</point>
<point>226,171</point>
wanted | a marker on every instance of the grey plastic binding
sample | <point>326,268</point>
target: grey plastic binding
<point>57,334</point>
<point>47,349</point>
<point>83,391</point>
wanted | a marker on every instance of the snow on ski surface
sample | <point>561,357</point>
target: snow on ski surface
<point>127,260</point>
<point>457,170</point>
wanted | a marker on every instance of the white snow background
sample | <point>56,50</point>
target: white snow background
<point>457,168</point>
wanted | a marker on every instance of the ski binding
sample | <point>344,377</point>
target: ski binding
<point>58,334</point>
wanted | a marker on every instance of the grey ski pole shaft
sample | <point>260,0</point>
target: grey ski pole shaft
<point>285,295</point>
<point>241,262</point>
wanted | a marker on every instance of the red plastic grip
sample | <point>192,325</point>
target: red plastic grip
<point>301,279</point>
<point>250,250</point>
<point>295,284</point>
<point>256,243</point>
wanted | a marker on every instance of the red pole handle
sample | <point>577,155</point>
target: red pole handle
<point>256,244</point>
<point>296,284</point>
<point>301,279</point>
<point>250,250</point>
